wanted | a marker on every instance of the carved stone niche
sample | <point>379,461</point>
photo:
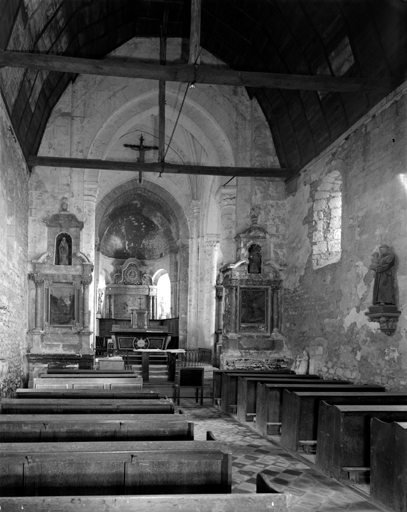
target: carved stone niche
<point>61,316</point>
<point>249,293</point>
<point>132,290</point>
<point>60,252</point>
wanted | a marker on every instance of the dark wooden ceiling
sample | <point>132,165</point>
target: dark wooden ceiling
<point>350,38</point>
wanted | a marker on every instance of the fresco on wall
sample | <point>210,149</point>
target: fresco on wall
<point>133,235</point>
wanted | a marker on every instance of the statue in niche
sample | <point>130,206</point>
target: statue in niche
<point>382,264</point>
<point>64,249</point>
<point>254,259</point>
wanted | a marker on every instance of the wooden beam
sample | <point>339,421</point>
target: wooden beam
<point>195,33</point>
<point>189,73</point>
<point>114,165</point>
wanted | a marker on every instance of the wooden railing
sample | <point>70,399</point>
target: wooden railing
<point>195,357</point>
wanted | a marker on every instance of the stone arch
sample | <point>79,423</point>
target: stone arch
<point>327,220</point>
<point>125,193</point>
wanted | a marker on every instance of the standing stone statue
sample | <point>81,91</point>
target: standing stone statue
<point>383,290</point>
<point>63,252</point>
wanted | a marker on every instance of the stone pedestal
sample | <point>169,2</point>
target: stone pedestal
<point>386,315</point>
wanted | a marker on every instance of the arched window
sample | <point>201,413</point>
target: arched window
<point>327,217</point>
<point>164,297</point>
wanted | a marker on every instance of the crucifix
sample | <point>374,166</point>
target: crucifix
<point>141,148</point>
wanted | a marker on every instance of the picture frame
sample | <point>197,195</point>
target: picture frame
<point>254,309</point>
<point>62,305</point>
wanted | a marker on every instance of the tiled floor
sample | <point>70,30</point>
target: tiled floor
<point>252,453</point>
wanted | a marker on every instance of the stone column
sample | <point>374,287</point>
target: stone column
<point>88,239</point>
<point>80,297</point>
<point>39,301</point>
<point>208,283</point>
<point>194,276</point>
<point>219,306</point>
<point>174,279</point>
<point>227,202</point>
<point>86,313</point>
<point>275,290</point>
<point>183,289</point>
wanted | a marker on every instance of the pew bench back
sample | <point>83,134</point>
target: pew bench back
<point>85,406</point>
<point>300,410</point>
<point>179,502</point>
<point>32,428</point>
<point>85,393</point>
<point>116,468</point>
<point>80,382</point>
<point>344,434</point>
<point>269,400</point>
<point>247,392</point>
<point>388,475</point>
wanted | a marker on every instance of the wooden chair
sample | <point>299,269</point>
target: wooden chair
<point>189,377</point>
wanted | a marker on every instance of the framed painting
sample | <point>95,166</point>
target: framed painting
<point>254,309</point>
<point>62,305</point>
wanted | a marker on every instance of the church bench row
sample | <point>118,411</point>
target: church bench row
<point>85,406</point>
<point>269,403</point>
<point>114,468</point>
<point>229,387</point>
<point>89,374</point>
<point>388,464</point>
<point>259,502</point>
<point>218,374</point>
<point>343,438</point>
<point>300,410</point>
<point>247,393</point>
<point>79,382</point>
<point>30,428</point>
<point>86,393</point>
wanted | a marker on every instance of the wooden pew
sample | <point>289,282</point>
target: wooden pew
<point>230,380</point>
<point>30,428</point>
<point>101,468</point>
<point>300,410</point>
<point>217,379</point>
<point>270,398</point>
<point>85,406</point>
<point>247,392</point>
<point>89,372</point>
<point>178,502</point>
<point>343,439</point>
<point>259,502</point>
<point>85,393</point>
<point>388,464</point>
<point>96,374</point>
<point>80,382</point>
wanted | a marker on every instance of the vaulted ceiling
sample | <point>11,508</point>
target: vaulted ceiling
<point>339,38</point>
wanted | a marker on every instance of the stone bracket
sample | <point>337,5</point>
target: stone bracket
<point>386,315</point>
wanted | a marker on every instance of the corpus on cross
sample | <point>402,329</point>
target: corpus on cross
<point>141,148</point>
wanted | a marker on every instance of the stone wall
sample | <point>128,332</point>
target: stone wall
<point>325,303</point>
<point>13,259</point>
